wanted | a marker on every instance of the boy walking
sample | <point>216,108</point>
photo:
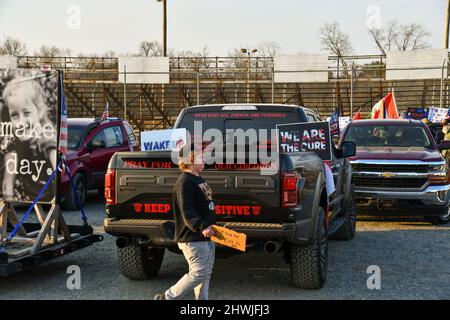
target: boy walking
<point>194,215</point>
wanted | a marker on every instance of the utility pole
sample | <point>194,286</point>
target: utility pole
<point>164,4</point>
<point>447,22</point>
<point>248,52</point>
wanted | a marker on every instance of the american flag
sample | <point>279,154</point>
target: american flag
<point>105,114</point>
<point>63,126</point>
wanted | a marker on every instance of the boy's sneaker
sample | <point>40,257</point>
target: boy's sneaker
<point>160,296</point>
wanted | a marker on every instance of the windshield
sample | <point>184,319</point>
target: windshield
<point>74,136</point>
<point>388,136</point>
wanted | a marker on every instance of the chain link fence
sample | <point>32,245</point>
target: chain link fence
<point>354,83</point>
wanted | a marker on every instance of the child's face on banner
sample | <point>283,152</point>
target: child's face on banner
<point>23,113</point>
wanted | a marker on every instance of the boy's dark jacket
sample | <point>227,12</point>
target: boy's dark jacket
<point>193,208</point>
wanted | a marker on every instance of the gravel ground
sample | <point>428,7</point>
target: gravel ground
<point>413,256</point>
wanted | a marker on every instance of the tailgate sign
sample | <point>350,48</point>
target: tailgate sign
<point>230,210</point>
<point>151,207</point>
<point>237,210</point>
<point>229,238</point>
<point>145,164</point>
<point>163,140</point>
<point>306,137</point>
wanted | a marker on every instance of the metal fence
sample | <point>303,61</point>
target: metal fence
<point>354,83</point>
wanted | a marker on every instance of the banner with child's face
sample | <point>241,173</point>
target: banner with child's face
<point>29,114</point>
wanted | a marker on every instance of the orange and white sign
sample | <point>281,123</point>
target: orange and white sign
<point>229,238</point>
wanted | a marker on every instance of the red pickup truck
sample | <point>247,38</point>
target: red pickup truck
<point>398,168</point>
<point>91,144</point>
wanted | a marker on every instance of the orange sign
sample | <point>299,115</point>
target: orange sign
<point>229,238</point>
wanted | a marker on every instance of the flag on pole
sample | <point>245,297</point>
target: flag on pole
<point>63,122</point>
<point>329,180</point>
<point>334,123</point>
<point>390,108</point>
<point>105,114</point>
<point>386,108</point>
<point>357,115</point>
<point>377,110</point>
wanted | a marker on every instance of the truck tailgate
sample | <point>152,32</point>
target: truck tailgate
<point>145,192</point>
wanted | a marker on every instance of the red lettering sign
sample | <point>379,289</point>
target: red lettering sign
<point>230,210</point>
<point>237,210</point>
<point>148,164</point>
<point>151,207</point>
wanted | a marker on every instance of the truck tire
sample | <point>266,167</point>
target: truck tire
<point>70,203</point>
<point>140,262</point>
<point>442,219</point>
<point>309,264</point>
<point>347,231</point>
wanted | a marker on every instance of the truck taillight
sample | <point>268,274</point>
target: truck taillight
<point>289,190</point>
<point>110,180</point>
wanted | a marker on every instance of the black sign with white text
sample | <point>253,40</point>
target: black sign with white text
<point>301,137</point>
<point>29,114</point>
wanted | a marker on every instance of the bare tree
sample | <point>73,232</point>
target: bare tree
<point>150,49</point>
<point>238,58</point>
<point>268,49</point>
<point>391,34</point>
<point>109,54</point>
<point>411,37</point>
<point>12,47</point>
<point>334,40</point>
<point>194,60</point>
<point>48,51</point>
<point>403,37</point>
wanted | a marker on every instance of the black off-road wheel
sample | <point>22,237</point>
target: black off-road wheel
<point>140,262</point>
<point>309,264</point>
<point>347,231</point>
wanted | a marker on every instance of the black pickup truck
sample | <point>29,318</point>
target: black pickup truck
<point>286,211</point>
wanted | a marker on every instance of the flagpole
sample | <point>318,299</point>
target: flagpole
<point>351,90</point>
<point>125,92</point>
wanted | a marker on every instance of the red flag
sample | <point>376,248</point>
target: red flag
<point>357,116</point>
<point>390,106</point>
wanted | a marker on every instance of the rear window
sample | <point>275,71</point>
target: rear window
<point>223,120</point>
<point>74,136</point>
<point>114,136</point>
<point>388,136</point>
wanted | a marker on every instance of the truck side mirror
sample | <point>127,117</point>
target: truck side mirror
<point>348,149</point>
<point>444,145</point>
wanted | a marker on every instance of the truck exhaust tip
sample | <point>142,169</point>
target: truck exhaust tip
<point>272,247</point>
<point>122,242</point>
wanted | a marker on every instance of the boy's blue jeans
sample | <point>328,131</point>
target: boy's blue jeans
<point>200,257</point>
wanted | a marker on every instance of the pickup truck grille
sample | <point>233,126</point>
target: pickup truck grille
<point>369,182</point>
<point>366,167</point>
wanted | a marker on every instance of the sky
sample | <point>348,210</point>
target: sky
<point>97,26</point>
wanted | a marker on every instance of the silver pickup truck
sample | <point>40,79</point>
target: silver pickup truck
<point>398,168</point>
